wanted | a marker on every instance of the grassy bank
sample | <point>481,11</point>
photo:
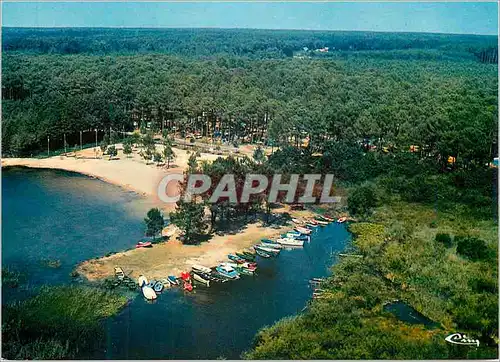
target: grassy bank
<point>58,323</point>
<point>404,259</point>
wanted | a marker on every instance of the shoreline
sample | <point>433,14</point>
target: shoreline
<point>130,173</point>
<point>172,257</point>
<point>165,258</point>
<point>125,187</point>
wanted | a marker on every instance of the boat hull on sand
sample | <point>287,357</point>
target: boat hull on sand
<point>246,256</point>
<point>202,268</point>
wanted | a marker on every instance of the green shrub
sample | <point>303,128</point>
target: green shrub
<point>10,278</point>
<point>57,323</point>
<point>471,247</point>
<point>444,239</point>
<point>362,199</point>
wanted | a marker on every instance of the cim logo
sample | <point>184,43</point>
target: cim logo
<point>462,339</point>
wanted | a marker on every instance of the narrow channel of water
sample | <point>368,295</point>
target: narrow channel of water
<point>68,217</point>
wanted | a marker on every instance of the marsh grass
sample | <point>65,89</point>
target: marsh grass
<point>402,261</point>
<point>11,278</point>
<point>49,263</point>
<point>59,322</point>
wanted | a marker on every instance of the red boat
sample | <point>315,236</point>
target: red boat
<point>341,220</point>
<point>143,244</point>
<point>185,276</point>
<point>188,286</point>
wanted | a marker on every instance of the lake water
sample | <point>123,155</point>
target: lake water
<point>56,215</point>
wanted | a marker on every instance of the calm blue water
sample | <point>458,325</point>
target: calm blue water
<point>58,215</point>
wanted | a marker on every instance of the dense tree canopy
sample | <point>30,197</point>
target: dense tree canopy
<point>413,114</point>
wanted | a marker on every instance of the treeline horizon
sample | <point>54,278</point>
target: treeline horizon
<point>253,43</point>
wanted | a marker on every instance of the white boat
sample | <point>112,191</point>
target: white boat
<point>302,230</point>
<point>291,242</point>
<point>321,222</point>
<point>142,280</point>
<point>198,278</point>
<point>202,268</point>
<point>269,245</point>
<point>120,275</point>
<point>148,293</point>
<point>268,249</point>
<point>297,221</point>
<point>227,271</point>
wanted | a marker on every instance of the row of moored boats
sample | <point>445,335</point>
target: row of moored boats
<point>239,263</point>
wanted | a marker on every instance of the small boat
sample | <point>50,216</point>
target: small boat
<point>216,277</point>
<point>158,287</point>
<point>142,280</point>
<point>262,253</point>
<point>151,284</point>
<point>313,222</point>
<point>273,245</point>
<point>268,241</point>
<point>119,274</point>
<point>267,250</point>
<point>249,266</point>
<point>311,226</point>
<point>241,269</point>
<point>185,276</point>
<point>249,252</point>
<point>202,278</point>
<point>294,233</point>
<point>297,221</point>
<point>172,279</point>
<point>201,268</point>
<point>321,222</point>
<point>341,220</point>
<point>291,242</point>
<point>144,244</point>
<point>227,271</point>
<point>246,256</point>
<point>302,230</point>
<point>235,258</point>
<point>327,218</point>
<point>148,293</point>
<point>295,236</point>
<point>188,286</point>
<point>166,283</point>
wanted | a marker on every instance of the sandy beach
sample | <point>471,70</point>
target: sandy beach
<point>134,174</point>
<point>172,257</point>
<point>131,173</point>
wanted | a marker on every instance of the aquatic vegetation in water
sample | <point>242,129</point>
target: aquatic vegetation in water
<point>51,263</point>
<point>10,278</point>
<point>113,283</point>
<point>59,322</point>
